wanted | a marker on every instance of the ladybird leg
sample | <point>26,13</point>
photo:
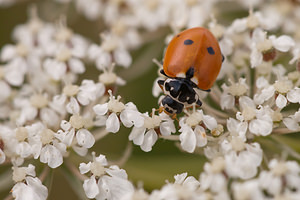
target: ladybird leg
<point>223,58</point>
<point>161,84</point>
<point>199,103</point>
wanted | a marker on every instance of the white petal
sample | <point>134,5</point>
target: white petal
<point>149,140</point>
<point>188,139</point>
<point>227,101</point>
<point>200,136</point>
<point>117,187</point>
<point>84,168</point>
<point>101,159</point>
<point>85,138</point>
<point>94,51</point>
<point>40,190</point>
<point>210,122</point>
<point>2,156</point>
<point>156,90</point>
<point>283,43</point>
<point>137,135</point>
<point>65,125</point>
<point>239,25</point>
<point>294,95</point>
<point>261,127</point>
<point>23,149</point>
<point>122,57</point>
<point>8,52</point>
<point>256,58</point>
<point>112,123</point>
<point>14,73</point>
<point>103,61</point>
<point>51,155</point>
<point>90,187</point>
<point>76,66</point>
<point>261,82</point>
<point>73,106</point>
<point>82,151</point>
<point>167,127</point>
<point>281,101</point>
<point>131,117</point>
<point>50,117</point>
<point>265,95</point>
<point>55,69</point>
<point>101,109</point>
<point>5,91</point>
<point>291,124</point>
<point>235,126</point>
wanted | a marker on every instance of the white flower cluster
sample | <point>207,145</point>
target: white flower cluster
<point>50,110</point>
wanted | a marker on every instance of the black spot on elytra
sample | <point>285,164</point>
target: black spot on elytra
<point>178,35</point>
<point>188,42</point>
<point>210,50</point>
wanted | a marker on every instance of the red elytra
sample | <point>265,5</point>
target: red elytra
<point>196,48</point>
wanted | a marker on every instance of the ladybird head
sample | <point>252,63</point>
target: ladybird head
<point>179,93</point>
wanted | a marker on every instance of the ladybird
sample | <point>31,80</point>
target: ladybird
<point>192,61</point>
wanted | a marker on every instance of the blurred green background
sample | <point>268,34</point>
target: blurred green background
<point>147,169</point>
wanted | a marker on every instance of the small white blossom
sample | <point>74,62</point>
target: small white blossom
<point>105,182</point>
<point>241,159</point>
<point>231,92</point>
<point>147,134</point>
<point>192,130</point>
<point>27,185</point>
<point>128,113</point>
<point>89,91</point>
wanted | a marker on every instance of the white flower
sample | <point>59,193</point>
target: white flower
<point>110,51</point>
<point>146,135</point>
<point>260,120</point>
<point>109,77</point>
<point>183,188</point>
<point>192,131</point>
<point>231,92</point>
<point>261,44</point>
<point>283,87</point>
<point>91,9</point>
<point>292,121</point>
<point>105,183</point>
<point>272,181</point>
<point>212,178</point>
<point>129,115</point>
<point>27,185</point>
<point>53,154</point>
<point>249,189</point>
<point>241,159</point>
<point>75,129</point>
<point>89,91</point>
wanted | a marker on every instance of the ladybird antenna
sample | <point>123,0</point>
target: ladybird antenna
<point>157,62</point>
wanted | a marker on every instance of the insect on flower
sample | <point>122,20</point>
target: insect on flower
<point>192,61</point>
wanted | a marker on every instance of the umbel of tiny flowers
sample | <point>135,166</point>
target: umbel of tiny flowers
<point>105,182</point>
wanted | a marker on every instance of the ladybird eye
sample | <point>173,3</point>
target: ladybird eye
<point>210,50</point>
<point>188,42</point>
